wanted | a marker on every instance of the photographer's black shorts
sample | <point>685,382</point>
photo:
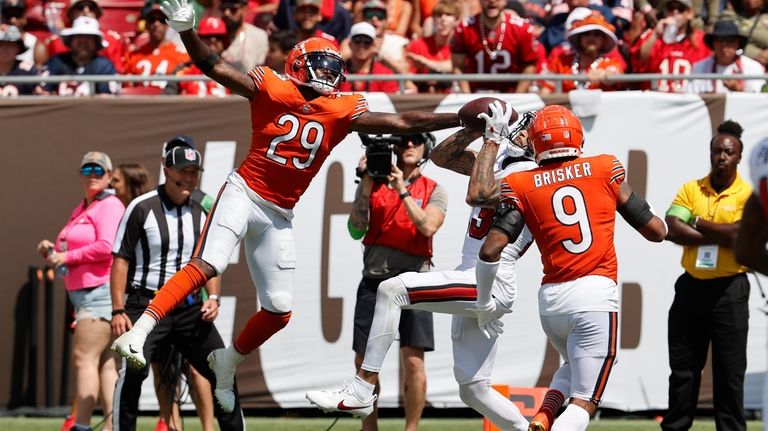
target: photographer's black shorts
<point>416,327</point>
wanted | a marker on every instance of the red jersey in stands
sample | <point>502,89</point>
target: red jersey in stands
<point>427,47</point>
<point>200,88</point>
<point>292,137</point>
<point>323,35</point>
<point>566,64</point>
<point>161,60</point>
<point>675,59</point>
<point>114,48</point>
<point>570,208</point>
<point>507,51</point>
<point>383,86</point>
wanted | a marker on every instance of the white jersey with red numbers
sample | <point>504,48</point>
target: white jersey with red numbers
<point>758,169</point>
<point>292,137</point>
<point>509,51</point>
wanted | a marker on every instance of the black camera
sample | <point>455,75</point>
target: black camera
<point>378,150</point>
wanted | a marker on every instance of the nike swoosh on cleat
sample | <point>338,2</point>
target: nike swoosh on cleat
<point>130,348</point>
<point>341,406</point>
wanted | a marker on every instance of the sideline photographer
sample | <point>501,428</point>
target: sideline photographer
<point>396,212</point>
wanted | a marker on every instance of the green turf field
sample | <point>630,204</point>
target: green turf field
<point>348,424</point>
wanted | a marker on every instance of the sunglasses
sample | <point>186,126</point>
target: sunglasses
<point>362,40</point>
<point>89,170</point>
<point>155,18</point>
<point>375,13</point>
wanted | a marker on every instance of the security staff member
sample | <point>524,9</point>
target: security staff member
<point>710,304</point>
<point>155,239</point>
<point>397,216</point>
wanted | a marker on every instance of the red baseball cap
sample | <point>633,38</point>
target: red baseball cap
<point>211,26</point>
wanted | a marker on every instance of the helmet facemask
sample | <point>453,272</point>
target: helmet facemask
<point>325,72</point>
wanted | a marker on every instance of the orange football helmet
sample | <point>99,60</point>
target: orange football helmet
<point>316,63</point>
<point>556,132</point>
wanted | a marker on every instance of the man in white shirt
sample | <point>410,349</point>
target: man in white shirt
<point>727,44</point>
<point>248,43</point>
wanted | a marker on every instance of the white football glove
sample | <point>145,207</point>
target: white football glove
<point>488,320</point>
<point>497,124</point>
<point>180,15</point>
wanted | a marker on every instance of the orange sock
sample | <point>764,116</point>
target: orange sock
<point>553,400</point>
<point>259,328</point>
<point>184,282</point>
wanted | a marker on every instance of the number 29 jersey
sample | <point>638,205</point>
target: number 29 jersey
<point>570,208</point>
<point>292,137</point>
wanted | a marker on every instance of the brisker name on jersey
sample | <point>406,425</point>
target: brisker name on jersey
<point>578,170</point>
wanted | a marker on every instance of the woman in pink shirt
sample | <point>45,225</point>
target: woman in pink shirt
<point>82,256</point>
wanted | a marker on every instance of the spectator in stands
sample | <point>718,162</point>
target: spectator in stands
<point>565,48</point>
<point>494,42</point>
<point>213,32</point>
<point>280,44</point>
<point>337,19</point>
<point>710,306</point>
<point>11,45</point>
<point>13,14</point>
<point>83,40</point>
<point>672,47</point>
<point>82,254</point>
<point>248,43</point>
<point>307,15</point>
<point>432,54</point>
<point>365,62</point>
<point>591,39</point>
<point>560,14</point>
<point>727,43</point>
<point>129,180</point>
<point>263,12</point>
<point>390,46</point>
<point>398,15</point>
<point>158,56</point>
<point>752,17</point>
<point>112,46</point>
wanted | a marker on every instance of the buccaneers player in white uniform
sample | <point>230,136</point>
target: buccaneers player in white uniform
<point>571,202</point>
<point>297,120</point>
<point>753,229</point>
<point>451,292</point>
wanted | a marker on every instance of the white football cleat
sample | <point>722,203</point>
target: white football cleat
<point>342,398</point>
<point>131,347</point>
<point>225,379</point>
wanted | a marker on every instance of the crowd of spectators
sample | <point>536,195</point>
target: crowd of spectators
<point>593,38</point>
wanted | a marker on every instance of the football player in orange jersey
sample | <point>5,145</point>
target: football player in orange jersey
<point>297,119</point>
<point>571,201</point>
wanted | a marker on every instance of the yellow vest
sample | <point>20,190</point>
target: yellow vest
<point>703,201</point>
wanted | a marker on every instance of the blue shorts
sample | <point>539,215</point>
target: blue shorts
<point>92,303</point>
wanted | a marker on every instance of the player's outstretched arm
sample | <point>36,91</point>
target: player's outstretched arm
<point>453,154</point>
<point>181,18</point>
<point>483,189</point>
<point>753,234</point>
<point>636,211</point>
<point>377,123</point>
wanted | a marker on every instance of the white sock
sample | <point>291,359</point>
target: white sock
<point>390,297</point>
<point>485,273</point>
<point>144,325</point>
<point>574,418</point>
<point>363,388</point>
<point>232,356</point>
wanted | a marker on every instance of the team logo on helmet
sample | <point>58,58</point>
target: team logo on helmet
<point>556,132</point>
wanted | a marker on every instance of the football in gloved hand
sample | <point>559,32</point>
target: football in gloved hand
<point>469,112</point>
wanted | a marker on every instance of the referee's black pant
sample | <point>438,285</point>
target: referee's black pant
<point>193,338</point>
<point>703,312</point>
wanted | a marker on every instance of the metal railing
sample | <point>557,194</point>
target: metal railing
<point>653,78</point>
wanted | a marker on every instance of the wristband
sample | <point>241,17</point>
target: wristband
<point>208,63</point>
<point>405,194</point>
<point>215,298</point>
<point>118,311</point>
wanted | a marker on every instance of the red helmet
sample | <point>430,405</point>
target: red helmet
<point>316,63</point>
<point>556,132</point>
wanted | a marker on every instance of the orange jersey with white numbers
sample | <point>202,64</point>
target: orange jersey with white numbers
<point>570,208</point>
<point>292,137</point>
<point>155,61</point>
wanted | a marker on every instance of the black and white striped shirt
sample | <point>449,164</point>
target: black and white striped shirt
<point>157,237</point>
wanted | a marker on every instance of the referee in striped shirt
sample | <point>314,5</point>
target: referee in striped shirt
<point>156,237</point>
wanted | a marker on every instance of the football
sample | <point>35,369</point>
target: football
<point>469,112</point>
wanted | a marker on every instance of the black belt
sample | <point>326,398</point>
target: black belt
<point>194,298</point>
